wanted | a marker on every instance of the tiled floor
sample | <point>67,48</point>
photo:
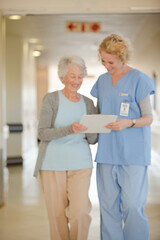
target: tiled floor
<point>23,217</point>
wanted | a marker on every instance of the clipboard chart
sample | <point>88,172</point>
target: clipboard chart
<point>96,122</point>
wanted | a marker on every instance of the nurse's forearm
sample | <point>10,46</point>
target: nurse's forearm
<point>123,123</point>
<point>142,121</point>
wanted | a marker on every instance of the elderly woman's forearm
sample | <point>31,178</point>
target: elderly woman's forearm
<point>48,134</point>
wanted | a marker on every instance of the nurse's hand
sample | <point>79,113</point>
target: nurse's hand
<point>77,127</point>
<point>120,124</point>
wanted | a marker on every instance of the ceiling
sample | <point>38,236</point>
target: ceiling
<point>55,41</point>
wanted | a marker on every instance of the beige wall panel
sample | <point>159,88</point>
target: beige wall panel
<point>14,145</point>
<point>14,78</point>
<point>2,107</point>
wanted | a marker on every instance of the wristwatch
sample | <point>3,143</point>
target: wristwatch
<point>133,122</point>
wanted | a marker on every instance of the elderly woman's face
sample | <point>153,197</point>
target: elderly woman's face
<point>73,79</point>
<point>111,62</point>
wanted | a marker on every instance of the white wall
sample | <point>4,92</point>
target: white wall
<point>21,95</point>
<point>147,52</point>
<point>28,99</point>
<point>147,59</point>
<point>53,81</point>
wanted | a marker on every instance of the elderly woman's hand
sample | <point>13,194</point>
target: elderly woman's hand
<point>120,124</point>
<point>77,127</point>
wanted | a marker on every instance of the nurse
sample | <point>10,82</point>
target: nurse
<point>124,154</point>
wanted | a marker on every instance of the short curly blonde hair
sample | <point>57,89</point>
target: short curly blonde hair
<point>117,45</point>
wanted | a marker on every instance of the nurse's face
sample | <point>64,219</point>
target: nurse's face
<point>73,79</point>
<point>111,62</point>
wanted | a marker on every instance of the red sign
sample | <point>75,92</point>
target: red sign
<point>83,26</point>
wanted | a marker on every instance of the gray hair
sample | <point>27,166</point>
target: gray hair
<point>67,61</point>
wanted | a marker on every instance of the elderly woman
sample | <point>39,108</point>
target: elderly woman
<point>64,159</point>
<point>123,155</point>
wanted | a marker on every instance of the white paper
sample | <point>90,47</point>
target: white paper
<point>96,122</point>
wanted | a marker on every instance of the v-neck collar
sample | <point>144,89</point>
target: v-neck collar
<point>120,79</point>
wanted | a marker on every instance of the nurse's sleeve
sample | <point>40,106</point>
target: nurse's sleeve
<point>145,86</point>
<point>94,90</point>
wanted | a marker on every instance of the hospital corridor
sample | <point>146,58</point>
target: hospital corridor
<point>34,36</point>
<point>24,216</point>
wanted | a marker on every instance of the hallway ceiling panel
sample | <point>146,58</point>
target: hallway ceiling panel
<point>51,30</point>
<point>52,35</point>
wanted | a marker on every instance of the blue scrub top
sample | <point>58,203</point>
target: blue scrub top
<point>131,146</point>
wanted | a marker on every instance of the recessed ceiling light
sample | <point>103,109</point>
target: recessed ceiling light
<point>33,40</point>
<point>36,53</point>
<point>145,9</point>
<point>14,17</point>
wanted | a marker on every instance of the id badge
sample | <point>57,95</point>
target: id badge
<point>124,109</point>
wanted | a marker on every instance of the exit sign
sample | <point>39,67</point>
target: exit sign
<point>83,26</point>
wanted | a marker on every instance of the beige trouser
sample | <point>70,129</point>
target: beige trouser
<point>66,196</point>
